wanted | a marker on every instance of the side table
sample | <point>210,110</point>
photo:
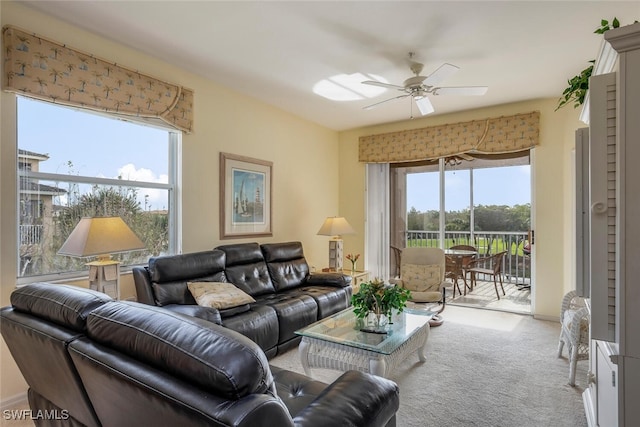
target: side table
<point>357,278</point>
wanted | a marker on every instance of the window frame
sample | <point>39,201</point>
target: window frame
<point>174,206</point>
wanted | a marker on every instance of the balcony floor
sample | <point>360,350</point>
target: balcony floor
<point>484,296</point>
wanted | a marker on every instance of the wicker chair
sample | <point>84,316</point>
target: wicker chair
<point>574,331</point>
<point>491,266</point>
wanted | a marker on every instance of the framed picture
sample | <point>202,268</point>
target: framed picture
<point>245,197</point>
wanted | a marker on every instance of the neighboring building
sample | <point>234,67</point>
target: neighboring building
<point>36,211</point>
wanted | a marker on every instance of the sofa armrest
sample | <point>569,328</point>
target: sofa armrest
<point>338,280</point>
<point>356,399</point>
<point>142,281</point>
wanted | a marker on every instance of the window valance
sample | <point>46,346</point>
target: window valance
<point>507,134</point>
<point>50,71</point>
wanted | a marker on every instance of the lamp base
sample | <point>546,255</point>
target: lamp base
<point>336,255</point>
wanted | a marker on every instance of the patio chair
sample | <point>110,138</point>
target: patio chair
<point>489,266</point>
<point>422,272</point>
<point>574,331</point>
<point>457,267</point>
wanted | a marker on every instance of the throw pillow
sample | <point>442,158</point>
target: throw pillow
<point>218,295</point>
<point>421,278</point>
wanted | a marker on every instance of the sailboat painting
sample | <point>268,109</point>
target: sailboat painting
<point>248,202</point>
<point>245,196</point>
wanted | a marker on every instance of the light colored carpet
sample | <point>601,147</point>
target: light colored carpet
<point>484,368</point>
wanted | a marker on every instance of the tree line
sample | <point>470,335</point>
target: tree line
<point>486,218</point>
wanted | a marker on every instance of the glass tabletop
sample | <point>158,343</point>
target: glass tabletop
<point>344,328</point>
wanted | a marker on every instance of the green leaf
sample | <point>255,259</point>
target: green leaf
<point>615,23</point>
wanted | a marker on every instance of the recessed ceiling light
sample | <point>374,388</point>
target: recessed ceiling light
<point>349,87</point>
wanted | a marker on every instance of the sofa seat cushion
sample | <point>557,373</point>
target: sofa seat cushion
<point>218,295</point>
<point>297,391</point>
<point>329,299</point>
<point>294,311</point>
<point>213,357</point>
<point>259,324</point>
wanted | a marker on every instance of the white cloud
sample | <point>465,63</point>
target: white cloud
<point>156,199</point>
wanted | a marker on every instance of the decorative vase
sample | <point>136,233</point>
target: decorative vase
<point>353,267</point>
<point>376,323</point>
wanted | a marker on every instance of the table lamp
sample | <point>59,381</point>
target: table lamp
<point>100,237</point>
<point>335,227</point>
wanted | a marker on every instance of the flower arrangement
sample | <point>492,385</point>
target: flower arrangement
<point>379,299</point>
<point>353,259</point>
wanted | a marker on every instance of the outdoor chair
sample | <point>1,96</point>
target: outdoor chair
<point>488,266</point>
<point>422,272</point>
<point>457,267</point>
<point>574,331</point>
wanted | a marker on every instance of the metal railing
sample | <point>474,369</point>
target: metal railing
<point>517,262</point>
<point>31,234</point>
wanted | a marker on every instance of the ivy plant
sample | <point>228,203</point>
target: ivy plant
<point>579,84</point>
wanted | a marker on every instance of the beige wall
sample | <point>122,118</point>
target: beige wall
<point>552,195</point>
<point>305,170</point>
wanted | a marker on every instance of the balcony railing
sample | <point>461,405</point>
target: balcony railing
<point>517,262</point>
<point>31,234</point>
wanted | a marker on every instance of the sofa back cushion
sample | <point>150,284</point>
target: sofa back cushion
<point>286,263</point>
<point>169,274</point>
<point>64,305</point>
<point>246,268</point>
<point>217,359</point>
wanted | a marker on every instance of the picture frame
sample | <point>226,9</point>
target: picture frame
<point>245,197</point>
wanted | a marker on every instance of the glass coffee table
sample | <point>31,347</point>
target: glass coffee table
<point>336,342</point>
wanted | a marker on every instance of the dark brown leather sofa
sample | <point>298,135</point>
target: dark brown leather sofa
<point>93,361</point>
<point>276,275</point>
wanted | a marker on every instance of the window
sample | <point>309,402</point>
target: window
<point>74,163</point>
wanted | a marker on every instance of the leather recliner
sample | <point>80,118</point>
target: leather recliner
<point>276,275</point>
<point>132,364</point>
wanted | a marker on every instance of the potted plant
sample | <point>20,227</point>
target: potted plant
<point>376,301</point>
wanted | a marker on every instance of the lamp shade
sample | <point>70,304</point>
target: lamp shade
<point>335,226</point>
<point>100,236</point>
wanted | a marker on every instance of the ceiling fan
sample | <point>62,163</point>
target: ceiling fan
<point>418,87</point>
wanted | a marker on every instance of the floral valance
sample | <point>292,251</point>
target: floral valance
<point>50,71</point>
<point>499,135</point>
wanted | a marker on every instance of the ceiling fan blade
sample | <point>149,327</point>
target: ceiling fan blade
<point>387,85</point>
<point>444,71</point>
<point>424,105</point>
<point>368,107</point>
<point>461,90</point>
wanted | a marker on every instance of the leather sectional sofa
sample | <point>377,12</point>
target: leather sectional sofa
<point>92,361</point>
<point>276,275</point>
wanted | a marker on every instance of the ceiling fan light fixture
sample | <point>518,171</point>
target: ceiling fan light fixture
<point>348,87</point>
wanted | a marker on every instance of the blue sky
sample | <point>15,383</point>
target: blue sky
<point>97,146</point>
<point>495,186</point>
<point>44,128</point>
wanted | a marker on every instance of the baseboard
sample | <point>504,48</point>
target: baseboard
<point>545,317</point>
<point>14,401</point>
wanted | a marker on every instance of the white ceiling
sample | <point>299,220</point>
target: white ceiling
<point>277,51</point>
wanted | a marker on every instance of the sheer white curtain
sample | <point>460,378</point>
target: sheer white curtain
<point>377,220</point>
